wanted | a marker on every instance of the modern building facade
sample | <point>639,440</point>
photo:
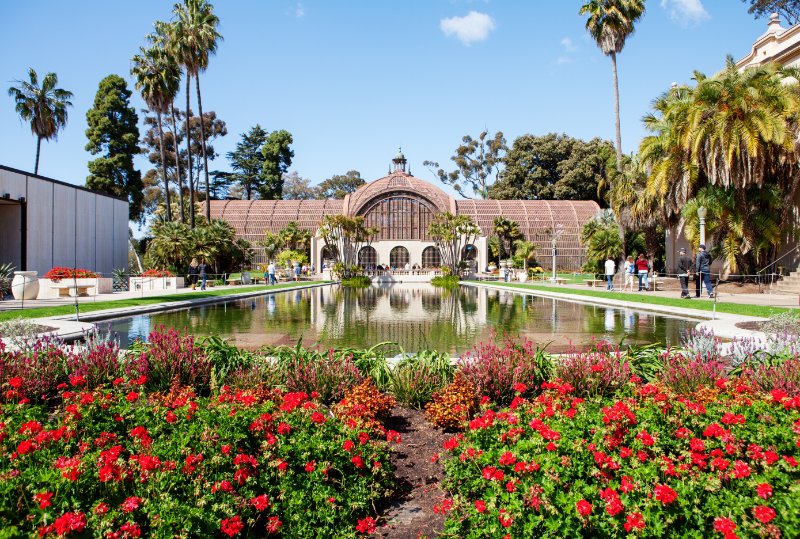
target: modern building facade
<point>46,223</point>
<point>401,207</point>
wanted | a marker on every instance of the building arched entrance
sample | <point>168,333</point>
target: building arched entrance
<point>469,252</point>
<point>368,257</point>
<point>329,254</point>
<point>431,257</point>
<point>398,257</point>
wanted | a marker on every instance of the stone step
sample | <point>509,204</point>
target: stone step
<point>784,287</point>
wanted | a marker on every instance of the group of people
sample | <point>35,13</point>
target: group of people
<point>198,271</point>
<point>297,271</point>
<point>640,269</point>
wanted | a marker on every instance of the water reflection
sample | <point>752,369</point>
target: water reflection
<point>417,316</point>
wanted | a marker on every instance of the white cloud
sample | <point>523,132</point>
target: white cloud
<point>299,11</point>
<point>569,45</point>
<point>686,12</point>
<point>474,26</point>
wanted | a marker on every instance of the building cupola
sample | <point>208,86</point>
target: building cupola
<point>399,161</point>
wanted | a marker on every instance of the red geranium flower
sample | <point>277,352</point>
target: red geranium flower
<point>665,494</point>
<point>231,526</point>
<point>43,499</point>
<point>584,508</point>
<point>366,525</point>
<point>274,525</point>
<point>69,522</point>
<point>724,525</point>
<point>15,382</point>
<point>505,519</point>
<point>480,506</point>
<point>764,490</point>
<point>764,513</point>
<point>260,502</point>
<point>131,504</point>
<point>634,521</point>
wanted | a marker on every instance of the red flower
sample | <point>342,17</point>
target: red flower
<point>15,382</point>
<point>357,461</point>
<point>132,396</point>
<point>260,502</point>
<point>519,387</point>
<point>69,522</point>
<point>317,417</point>
<point>366,525</point>
<point>77,380</point>
<point>101,508</point>
<point>634,521</point>
<point>311,466</point>
<point>505,519</point>
<point>231,526</point>
<point>584,508</point>
<point>171,417</point>
<point>348,445</point>
<point>665,494</point>
<point>131,504</point>
<point>764,490</point>
<point>284,428</point>
<point>764,513</point>
<point>43,499</point>
<point>274,525</point>
<point>480,506</point>
<point>724,525</point>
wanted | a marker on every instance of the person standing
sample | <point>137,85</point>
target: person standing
<point>271,273</point>
<point>297,272</point>
<point>629,270</point>
<point>193,271</point>
<point>642,269</point>
<point>703,266</point>
<point>202,269</point>
<point>611,269</point>
<point>684,271</point>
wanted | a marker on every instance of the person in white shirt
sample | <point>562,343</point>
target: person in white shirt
<point>271,273</point>
<point>611,269</point>
<point>629,271</point>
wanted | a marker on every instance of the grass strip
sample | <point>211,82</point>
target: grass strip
<point>61,310</point>
<point>644,299</point>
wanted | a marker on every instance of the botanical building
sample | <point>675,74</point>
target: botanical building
<point>401,206</point>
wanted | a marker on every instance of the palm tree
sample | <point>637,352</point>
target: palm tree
<point>526,250</point>
<point>610,23</point>
<point>157,79</point>
<point>195,39</point>
<point>295,238</point>
<point>507,232</point>
<point>170,244</point>
<point>44,107</point>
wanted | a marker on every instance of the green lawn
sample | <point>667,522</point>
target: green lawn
<point>700,305</point>
<point>61,310</point>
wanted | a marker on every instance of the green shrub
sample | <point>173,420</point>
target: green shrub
<point>445,281</point>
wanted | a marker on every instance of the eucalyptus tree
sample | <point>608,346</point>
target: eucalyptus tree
<point>478,162</point>
<point>611,23</point>
<point>194,39</point>
<point>43,106</point>
<point>157,80</point>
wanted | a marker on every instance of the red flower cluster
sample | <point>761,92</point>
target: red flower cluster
<point>58,273</point>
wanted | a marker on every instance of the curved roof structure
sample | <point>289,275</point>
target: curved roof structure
<point>397,182</point>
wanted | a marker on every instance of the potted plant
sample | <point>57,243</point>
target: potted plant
<point>25,284</point>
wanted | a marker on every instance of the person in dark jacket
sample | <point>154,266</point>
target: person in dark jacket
<point>684,271</point>
<point>202,270</point>
<point>703,267</point>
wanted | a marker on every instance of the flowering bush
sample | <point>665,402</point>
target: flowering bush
<point>328,375</point>
<point>600,371</point>
<point>366,406</point>
<point>685,374</point>
<point>157,273</point>
<point>120,463</point>
<point>643,462</point>
<point>454,404</point>
<point>58,273</point>
<point>171,358</point>
<point>494,370</point>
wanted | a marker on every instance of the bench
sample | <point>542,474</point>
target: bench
<point>234,281</point>
<point>557,280</point>
<point>64,290</point>
<point>595,282</point>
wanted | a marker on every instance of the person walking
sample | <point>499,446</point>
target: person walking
<point>642,269</point>
<point>202,270</point>
<point>297,272</point>
<point>684,271</point>
<point>193,271</point>
<point>628,269</point>
<point>703,266</point>
<point>611,269</point>
<point>271,273</point>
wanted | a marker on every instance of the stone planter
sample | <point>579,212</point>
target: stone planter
<point>522,277</point>
<point>49,289</point>
<point>25,285</point>
<point>138,284</point>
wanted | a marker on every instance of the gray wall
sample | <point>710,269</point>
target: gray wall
<point>66,225</point>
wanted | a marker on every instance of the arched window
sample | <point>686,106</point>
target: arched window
<point>400,217</point>
<point>368,257</point>
<point>398,257</point>
<point>328,253</point>
<point>431,257</point>
<point>469,252</point>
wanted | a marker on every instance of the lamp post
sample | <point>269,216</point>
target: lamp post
<point>553,243</point>
<point>701,214</point>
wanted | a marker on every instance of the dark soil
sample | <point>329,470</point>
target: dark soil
<point>409,512</point>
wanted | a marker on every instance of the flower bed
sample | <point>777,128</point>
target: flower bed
<point>120,462</point>
<point>58,273</point>
<point>643,462</point>
<point>157,273</point>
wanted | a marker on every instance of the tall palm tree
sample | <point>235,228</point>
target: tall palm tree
<point>610,23</point>
<point>44,107</point>
<point>507,232</point>
<point>157,79</point>
<point>526,250</point>
<point>170,244</point>
<point>196,39</point>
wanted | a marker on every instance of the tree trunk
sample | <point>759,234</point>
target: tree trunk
<point>177,161</point>
<point>189,152</point>
<point>38,148</point>
<point>616,109</point>
<point>164,166</point>
<point>203,147</point>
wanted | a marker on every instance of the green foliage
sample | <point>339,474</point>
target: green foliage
<point>339,186</point>
<point>445,281</point>
<point>452,233</point>
<point>277,158</point>
<point>44,107</point>
<point>554,167</point>
<point>345,236</point>
<point>358,281</point>
<point>646,361</point>
<point>600,236</point>
<point>478,163</point>
<point>415,378</point>
<point>247,161</point>
<point>6,276</point>
<point>174,245</point>
<point>788,9</point>
<point>507,232</point>
<point>287,258</point>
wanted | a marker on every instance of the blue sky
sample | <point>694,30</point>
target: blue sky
<point>353,80</point>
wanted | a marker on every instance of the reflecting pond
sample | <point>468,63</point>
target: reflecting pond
<point>417,316</point>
